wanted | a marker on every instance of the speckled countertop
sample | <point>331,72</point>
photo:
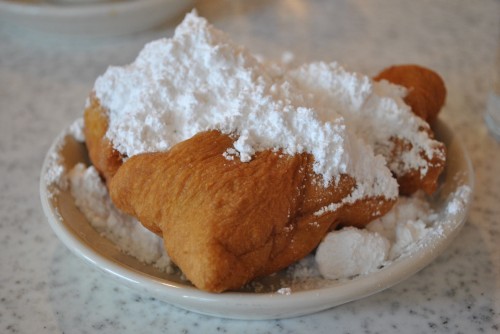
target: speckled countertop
<point>44,288</point>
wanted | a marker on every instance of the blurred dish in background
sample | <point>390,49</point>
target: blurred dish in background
<point>492,113</point>
<point>94,18</point>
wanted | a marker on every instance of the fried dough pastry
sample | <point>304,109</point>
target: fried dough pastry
<point>426,89</point>
<point>426,96</point>
<point>226,222</point>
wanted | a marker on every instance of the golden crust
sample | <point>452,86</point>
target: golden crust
<point>226,222</point>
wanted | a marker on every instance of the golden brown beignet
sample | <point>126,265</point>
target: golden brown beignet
<point>426,96</point>
<point>426,89</point>
<point>226,222</point>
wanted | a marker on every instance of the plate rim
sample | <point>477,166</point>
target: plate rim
<point>251,305</point>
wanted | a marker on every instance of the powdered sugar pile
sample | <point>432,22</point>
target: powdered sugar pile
<point>200,80</point>
<point>351,252</point>
<point>411,226</point>
<point>407,223</point>
<point>374,111</point>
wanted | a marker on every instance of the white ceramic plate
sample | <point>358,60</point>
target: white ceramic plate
<point>77,234</point>
<point>94,19</point>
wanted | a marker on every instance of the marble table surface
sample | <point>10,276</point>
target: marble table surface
<point>44,81</point>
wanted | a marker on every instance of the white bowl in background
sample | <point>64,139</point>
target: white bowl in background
<point>97,19</point>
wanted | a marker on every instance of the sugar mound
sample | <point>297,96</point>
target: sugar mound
<point>374,111</point>
<point>351,252</point>
<point>402,231</point>
<point>407,223</point>
<point>200,80</point>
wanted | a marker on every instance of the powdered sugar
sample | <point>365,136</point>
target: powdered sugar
<point>351,252</point>
<point>284,291</point>
<point>201,80</point>
<point>55,176</point>
<point>76,130</point>
<point>375,111</point>
<point>410,226</point>
<point>457,203</point>
<point>91,197</point>
<point>398,233</point>
<point>407,223</point>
